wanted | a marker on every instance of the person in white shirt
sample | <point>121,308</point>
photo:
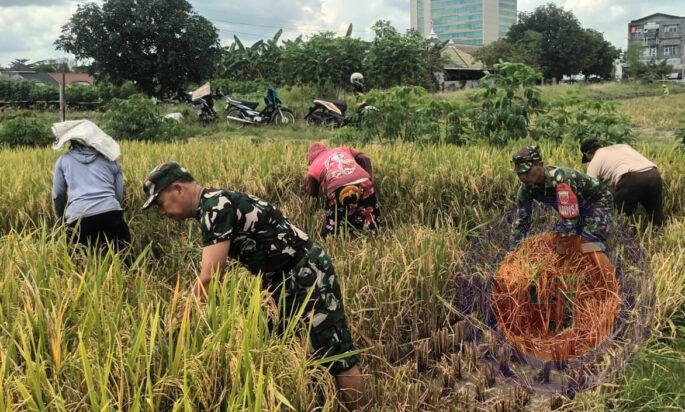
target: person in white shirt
<point>632,177</point>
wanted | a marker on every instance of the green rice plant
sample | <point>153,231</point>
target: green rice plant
<point>83,332</point>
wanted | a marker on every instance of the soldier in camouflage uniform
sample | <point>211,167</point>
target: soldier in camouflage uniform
<point>252,231</point>
<point>584,205</point>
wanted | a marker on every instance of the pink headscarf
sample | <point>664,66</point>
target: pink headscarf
<point>315,149</point>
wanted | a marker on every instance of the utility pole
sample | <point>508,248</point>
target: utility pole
<point>63,97</point>
<point>682,60</point>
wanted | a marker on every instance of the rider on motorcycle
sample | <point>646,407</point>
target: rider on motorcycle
<point>357,80</point>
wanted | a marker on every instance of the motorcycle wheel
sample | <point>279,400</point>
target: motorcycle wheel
<point>235,112</point>
<point>283,117</point>
<point>313,119</point>
<point>331,123</point>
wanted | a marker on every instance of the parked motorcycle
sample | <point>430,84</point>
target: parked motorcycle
<point>180,96</point>
<point>244,112</point>
<point>203,103</point>
<point>332,113</point>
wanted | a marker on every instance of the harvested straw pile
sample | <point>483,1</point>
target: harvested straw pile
<point>554,302</point>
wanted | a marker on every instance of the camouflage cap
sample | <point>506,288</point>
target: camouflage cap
<point>160,178</point>
<point>523,159</point>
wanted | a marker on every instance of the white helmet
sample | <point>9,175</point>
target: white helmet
<point>357,79</point>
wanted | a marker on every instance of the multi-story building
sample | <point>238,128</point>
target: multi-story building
<point>472,22</point>
<point>661,36</point>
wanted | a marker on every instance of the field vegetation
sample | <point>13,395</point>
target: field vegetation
<point>82,333</point>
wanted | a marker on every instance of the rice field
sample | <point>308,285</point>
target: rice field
<point>80,332</point>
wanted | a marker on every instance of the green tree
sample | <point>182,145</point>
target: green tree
<point>562,43</point>
<point>261,61</point>
<point>632,56</point>
<point>18,62</point>
<point>526,51</point>
<point>159,44</point>
<point>323,58</point>
<point>600,56</point>
<point>636,69</point>
<point>395,59</point>
<point>50,67</point>
<point>509,99</point>
<point>552,40</point>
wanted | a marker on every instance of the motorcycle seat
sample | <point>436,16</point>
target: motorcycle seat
<point>341,104</point>
<point>251,105</point>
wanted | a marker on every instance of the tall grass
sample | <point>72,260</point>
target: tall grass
<point>82,333</point>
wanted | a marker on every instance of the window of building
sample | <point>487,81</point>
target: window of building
<point>670,50</point>
<point>671,29</point>
<point>649,52</point>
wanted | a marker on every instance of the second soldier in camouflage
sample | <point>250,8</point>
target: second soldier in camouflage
<point>252,231</point>
<point>583,204</point>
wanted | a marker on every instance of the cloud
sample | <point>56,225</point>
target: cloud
<point>363,14</point>
<point>257,19</point>
<point>29,27</point>
<point>250,22</point>
<point>29,31</point>
<point>7,3</point>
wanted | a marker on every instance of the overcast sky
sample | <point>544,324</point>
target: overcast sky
<point>28,28</point>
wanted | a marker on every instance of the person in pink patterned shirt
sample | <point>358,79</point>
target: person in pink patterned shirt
<point>345,176</point>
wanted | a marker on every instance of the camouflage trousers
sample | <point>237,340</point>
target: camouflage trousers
<point>329,334</point>
<point>362,215</point>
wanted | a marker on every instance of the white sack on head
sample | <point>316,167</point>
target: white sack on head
<point>87,133</point>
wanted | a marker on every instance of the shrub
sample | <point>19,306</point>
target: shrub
<point>24,130</point>
<point>126,90</point>
<point>508,100</point>
<point>410,114</point>
<point>581,120</point>
<point>598,119</point>
<point>139,118</point>
<point>17,90</point>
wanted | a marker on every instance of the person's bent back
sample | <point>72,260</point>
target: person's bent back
<point>346,178</point>
<point>88,187</point>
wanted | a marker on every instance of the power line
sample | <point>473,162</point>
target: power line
<point>242,33</point>
<point>301,28</point>
<point>306,29</point>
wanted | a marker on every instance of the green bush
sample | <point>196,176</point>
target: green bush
<point>410,114</point>
<point>507,102</point>
<point>17,90</point>
<point>78,93</point>
<point>580,120</point>
<point>24,130</point>
<point>139,118</point>
<point>126,90</point>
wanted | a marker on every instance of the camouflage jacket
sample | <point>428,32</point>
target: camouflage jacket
<point>262,239</point>
<point>570,192</point>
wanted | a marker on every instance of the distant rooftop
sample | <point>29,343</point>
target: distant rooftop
<point>668,16</point>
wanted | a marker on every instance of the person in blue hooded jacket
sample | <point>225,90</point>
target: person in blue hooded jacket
<point>88,185</point>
